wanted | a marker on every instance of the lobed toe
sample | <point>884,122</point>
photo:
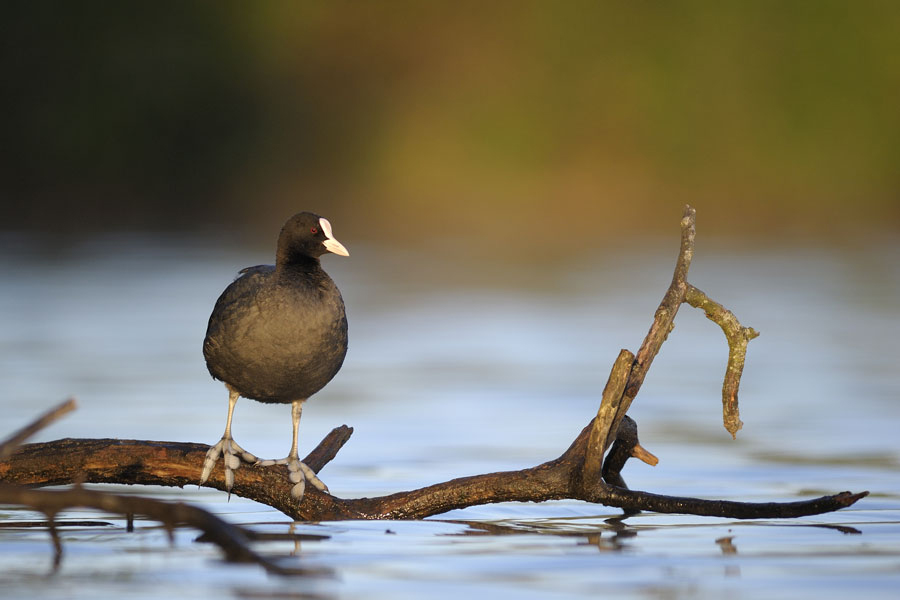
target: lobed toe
<point>298,490</point>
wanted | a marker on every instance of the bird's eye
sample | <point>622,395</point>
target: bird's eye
<point>314,230</point>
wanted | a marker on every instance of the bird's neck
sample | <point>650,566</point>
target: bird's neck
<point>297,265</point>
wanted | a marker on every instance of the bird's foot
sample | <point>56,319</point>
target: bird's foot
<point>300,473</point>
<point>232,455</point>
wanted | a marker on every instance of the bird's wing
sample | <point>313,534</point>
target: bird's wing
<point>258,269</point>
<point>230,304</point>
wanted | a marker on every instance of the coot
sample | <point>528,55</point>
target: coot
<point>278,334</point>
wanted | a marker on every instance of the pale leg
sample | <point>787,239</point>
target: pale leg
<point>231,452</point>
<point>300,473</point>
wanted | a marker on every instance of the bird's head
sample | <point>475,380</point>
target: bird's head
<point>307,235</point>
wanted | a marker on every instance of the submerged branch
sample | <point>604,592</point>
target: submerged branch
<point>230,538</point>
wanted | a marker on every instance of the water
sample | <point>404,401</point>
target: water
<point>458,368</point>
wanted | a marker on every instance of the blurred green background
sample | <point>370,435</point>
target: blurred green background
<point>504,122</point>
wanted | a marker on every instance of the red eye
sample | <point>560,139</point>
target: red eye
<point>314,230</point>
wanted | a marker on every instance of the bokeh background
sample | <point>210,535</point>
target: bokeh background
<point>509,178</point>
<point>406,121</point>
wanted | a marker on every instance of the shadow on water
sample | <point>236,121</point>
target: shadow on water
<point>613,532</point>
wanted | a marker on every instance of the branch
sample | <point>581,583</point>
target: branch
<point>575,474</point>
<point>607,414</point>
<point>613,407</point>
<point>230,538</point>
<point>663,319</point>
<point>8,446</point>
<point>178,464</point>
<point>159,463</point>
<point>735,510</point>
<point>738,337</point>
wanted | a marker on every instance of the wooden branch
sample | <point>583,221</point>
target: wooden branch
<point>575,474</point>
<point>630,374</point>
<point>158,463</point>
<point>178,464</point>
<point>8,446</point>
<point>607,414</point>
<point>663,319</point>
<point>738,337</point>
<point>230,538</point>
<point>632,500</point>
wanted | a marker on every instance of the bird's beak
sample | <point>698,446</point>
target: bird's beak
<point>645,455</point>
<point>331,244</point>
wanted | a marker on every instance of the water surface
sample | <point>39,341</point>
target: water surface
<point>461,367</point>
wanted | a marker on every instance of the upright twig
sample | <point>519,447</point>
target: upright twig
<point>606,416</point>
<point>663,321</point>
<point>664,318</point>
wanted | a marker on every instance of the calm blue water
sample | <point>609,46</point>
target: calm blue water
<point>461,368</point>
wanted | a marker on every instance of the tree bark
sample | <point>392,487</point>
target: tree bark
<point>178,464</point>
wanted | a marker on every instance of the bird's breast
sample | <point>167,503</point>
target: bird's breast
<point>284,345</point>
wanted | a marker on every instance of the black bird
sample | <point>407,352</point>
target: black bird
<point>625,446</point>
<point>278,334</point>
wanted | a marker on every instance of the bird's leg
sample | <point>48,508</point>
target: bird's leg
<point>231,452</point>
<point>300,473</point>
